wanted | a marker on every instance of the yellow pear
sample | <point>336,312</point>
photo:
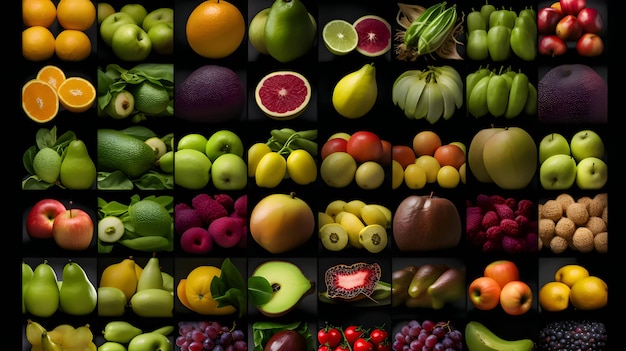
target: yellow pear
<point>121,275</point>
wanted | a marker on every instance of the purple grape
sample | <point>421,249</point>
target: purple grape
<point>439,332</point>
<point>431,340</point>
<point>208,343</point>
<point>180,340</point>
<point>226,338</point>
<point>198,336</point>
<point>212,332</point>
<point>240,345</point>
<point>439,347</point>
<point>195,346</point>
<point>456,335</point>
<point>447,342</point>
<point>218,347</point>
<point>238,335</point>
<point>428,325</point>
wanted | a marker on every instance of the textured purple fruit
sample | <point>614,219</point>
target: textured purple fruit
<point>226,231</point>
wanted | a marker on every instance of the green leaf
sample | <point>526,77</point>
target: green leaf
<point>263,331</point>
<point>116,180</point>
<point>229,288</point>
<point>259,290</point>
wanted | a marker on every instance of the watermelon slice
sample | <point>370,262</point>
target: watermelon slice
<point>374,35</point>
<point>283,95</point>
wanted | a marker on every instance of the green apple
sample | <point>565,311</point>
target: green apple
<point>110,24</point>
<point>586,143</point>
<point>557,172</point>
<point>553,144</point>
<point>104,10</point>
<point>192,169</point>
<point>162,37</point>
<point>591,173</point>
<point>111,302</point>
<point>136,11</point>
<point>162,14</point>
<point>131,43</point>
<point>256,31</point>
<point>223,142</point>
<point>150,341</point>
<point>229,172</point>
<point>193,141</point>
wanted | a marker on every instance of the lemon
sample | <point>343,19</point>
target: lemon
<point>589,293</point>
<point>355,94</point>
<point>47,164</point>
<point>340,37</point>
<point>150,98</point>
<point>150,218</point>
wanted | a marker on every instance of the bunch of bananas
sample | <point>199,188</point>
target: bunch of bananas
<point>431,93</point>
<point>503,93</point>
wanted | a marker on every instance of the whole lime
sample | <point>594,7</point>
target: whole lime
<point>47,164</point>
<point>150,218</point>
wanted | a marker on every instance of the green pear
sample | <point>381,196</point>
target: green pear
<point>111,302</point>
<point>150,277</point>
<point>78,171</point>
<point>27,275</point>
<point>289,30</point>
<point>120,331</point>
<point>112,346</point>
<point>41,297</point>
<point>77,296</point>
<point>153,303</point>
<point>168,281</point>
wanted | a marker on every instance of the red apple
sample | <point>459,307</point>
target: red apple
<point>572,7</point>
<point>404,154</point>
<point>590,44</point>
<point>547,19</point>
<point>484,293</point>
<point>196,240</point>
<point>568,28</point>
<point>516,298</point>
<point>551,45</point>
<point>40,218</point>
<point>333,145</point>
<point>590,19</point>
<point>73,229</point>
<point>502,271</point>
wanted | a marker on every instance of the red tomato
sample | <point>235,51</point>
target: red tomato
<point>333,145</point>
<point>378,336</point>
<point>385,158</point>
<point>403,154</point>
<point>329,335</point>
<point>385,346</point>
<point>362,344</point>
<point>352,333</point>
<point>364,146</point>
<point>342,347</point>
<point>324,348</point>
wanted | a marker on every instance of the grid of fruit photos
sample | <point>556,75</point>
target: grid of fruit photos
<point>299,175</point>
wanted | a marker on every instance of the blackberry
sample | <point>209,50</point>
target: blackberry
<point>572,335</point>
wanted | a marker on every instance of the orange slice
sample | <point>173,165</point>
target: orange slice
<point>40,101</point>
<point>51,74</point>
<point>76,94</point>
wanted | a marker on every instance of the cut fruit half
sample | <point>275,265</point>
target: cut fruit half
<point>283,95</point>
<point>340,37</point>
<point>374,34</point>
<point>52,75</point>
<point>40,101</point>
<point>76,94</point>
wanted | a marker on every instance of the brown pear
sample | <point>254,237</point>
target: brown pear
<point>424,277</point>
<point>400,280</point>
<point>448,288</point>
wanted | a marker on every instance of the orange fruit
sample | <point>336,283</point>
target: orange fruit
<point>554,296</point>
<point>76,14</point>
<point>72,45</point>
<point>589,293</point>
<point>39,101</point>
<point>37,43</point>
<point>76,94</point>
<point>38,13</point>
<point>198,291</point>
<point>52,75</point>
<point>215,29</point>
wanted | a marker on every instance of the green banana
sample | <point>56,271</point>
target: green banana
<point>435,102</point>
<point>530,108</point>
<point>497,95</point>
<point>120,331</point>
<point>479,338</point>
<point>517,95</point>
<point>414,95</point>
<point>147,243</point>
<point>416,29</point>
<point>477,103</point>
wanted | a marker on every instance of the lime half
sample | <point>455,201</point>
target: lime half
<point>340,37</point>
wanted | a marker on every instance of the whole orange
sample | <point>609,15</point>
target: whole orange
<point>426,142</point>
<point>197,290</point>
<point>37,43</point>
<point>72,45</point>
<point>76,14</point>
<point>215,29</point>
<point>589,293</point>
<point>38,13</point>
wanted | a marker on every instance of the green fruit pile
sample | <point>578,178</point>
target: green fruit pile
<point>430,285</point>
<point>500,34</point>
<point>500,93</point>
<point>122,335</point>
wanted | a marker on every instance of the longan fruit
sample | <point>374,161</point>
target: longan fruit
<point>578,213</point>
<point>565,228</point>
<point>603,198</point>
<point>583,239</point>
<point>595,207</point>
<point>565,200</point>
<point>596,225</point>
<point>547,230</point>
<point>600,242</point>
<point>551,209</point>
<point>558,245</point>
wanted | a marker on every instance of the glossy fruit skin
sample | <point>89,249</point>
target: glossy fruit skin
<point>378,335</point>
<point>330,336</point>
<point>503,271</point>
<point>590,19</point>
<point>352,333</point>
<point>484,293</point>
<point>364,146</point>
<point>516,298</point>
<point>361,344</point>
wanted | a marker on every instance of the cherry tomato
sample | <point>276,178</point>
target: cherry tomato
<point>322,336</point>
<point>378,336</point>
<point>385,346</point>
<point>342,347</point>
<point>362,344</point>
<point>352,333</point>
<point>324,348</point>
<point>364,146</point>
<point>334,337</point>
<point>333,145</point>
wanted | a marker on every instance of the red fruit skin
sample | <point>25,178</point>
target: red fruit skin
<point>40,219</point>
<point>352,333</point>
<point>572,7</point>
<point>362,344</point>
<point>547,19</point>
<point>590,45</point>
<point>551,45</point>
<point>333,145</point>
<point>196,240</point>
<point>590,19</point>
<point>568,28</point>
<point>378,335</point>
<point>364,146</point>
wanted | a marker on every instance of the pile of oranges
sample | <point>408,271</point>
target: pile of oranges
<point>71,43</point>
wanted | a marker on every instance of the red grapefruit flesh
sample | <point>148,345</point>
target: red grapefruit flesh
<point>374,35</point>
<point>283,95</point>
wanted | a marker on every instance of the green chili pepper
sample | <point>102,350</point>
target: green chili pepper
<point>499,43</point>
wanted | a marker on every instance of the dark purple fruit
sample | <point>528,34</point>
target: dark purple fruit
<point>286,340</point>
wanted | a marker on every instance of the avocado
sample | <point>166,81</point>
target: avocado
<point>123,152</point>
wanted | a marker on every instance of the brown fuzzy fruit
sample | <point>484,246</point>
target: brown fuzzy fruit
<point>423,223</point>
<point>595,207</point>
<point>551,209</point>
<point>584,200</point>
<point>558,245</point>
<point>583,240</point>
<point>578,213</point>
<point>547,230</point>
<point>605,215</point>
<point>603,198</point>
<point>565,200</point>
<point>596,225</point>
<point>565,228</point>
<point>601,242</point>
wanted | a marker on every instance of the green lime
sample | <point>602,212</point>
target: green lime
<point>340,37</point>
<point>150,218</point>
<point>150,98</point>
<point>47,164</point>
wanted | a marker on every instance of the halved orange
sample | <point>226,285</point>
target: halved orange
<point>39,100</point>
<point>51,74</point>
<point>76,94</point>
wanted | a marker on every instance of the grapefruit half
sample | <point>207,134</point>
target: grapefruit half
<point>374,34</point>
<point>283,95</point>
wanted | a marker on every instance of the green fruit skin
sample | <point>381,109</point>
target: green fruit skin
<point>111,346</point>
<point>42,293</point>
<point>475,21</point>
<point>477,45</point>
<point>517,96</point>
<point>478,337</point>
<point>477,103</point>
<point>120,331</point>
<point>77,295</point>
<point>153,303</point>
<point>111,302</point>
<point>191,169</point>
<point>289,31</point>
<point>47,165</point>
<point>27,275</point>
<point>150,98</point>
<point>123,152</point>
<point>502,17</point>
<point>78,171</point>
<point>497,95</point>
<point>522,43</point>
<point>499,43</point>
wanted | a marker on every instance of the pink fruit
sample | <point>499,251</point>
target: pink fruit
<point>196,240</point>
<point>241,206</point>
<point>41,217</point>
<point>590,45</point>
<point>208,208</point>
<point>552,45</point>
<point>283,95</point>
<point>186,218</point>
<point>225,231</point>
<point>374,34</point>
<point>225,200</point>
<point>590,19</point>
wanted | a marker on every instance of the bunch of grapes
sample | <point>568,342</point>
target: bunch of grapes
<point>209,336</point>
<point>428,336</point>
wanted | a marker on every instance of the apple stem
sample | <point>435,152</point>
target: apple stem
<point>292,194</point>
